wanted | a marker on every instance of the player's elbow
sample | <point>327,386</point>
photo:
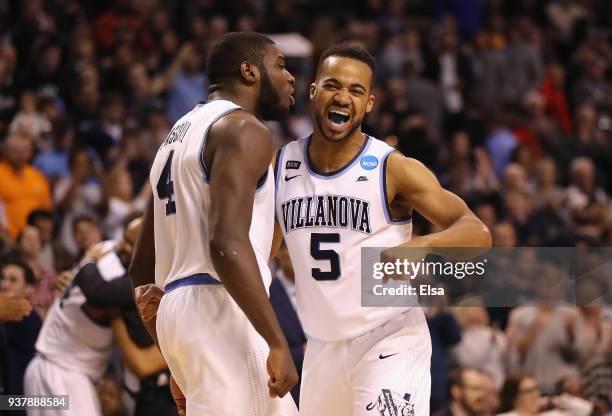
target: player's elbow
<point>484,236</point>
<point>225,250</point>
<point>480,235</point>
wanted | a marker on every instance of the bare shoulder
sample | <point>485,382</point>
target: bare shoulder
<point>239,124</point>
<point>240,131</point>
<point>398,161</point>
<point>406,170</point>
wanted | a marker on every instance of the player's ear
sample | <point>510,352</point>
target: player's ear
<point>370,103</point>
<point>313,91</point>
<point>250,73</point>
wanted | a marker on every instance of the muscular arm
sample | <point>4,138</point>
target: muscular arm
<point>141,361</point>
<point>242,148</point>
<point>101,293</point>
<point>418,186</point>
<point>142,268</point>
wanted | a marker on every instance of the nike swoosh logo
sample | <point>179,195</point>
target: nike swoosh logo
<point>288,178</point>
<point>382,357</point>
<point>370,406</point>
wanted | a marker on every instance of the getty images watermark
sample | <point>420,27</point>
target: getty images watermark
<point>505,277</point>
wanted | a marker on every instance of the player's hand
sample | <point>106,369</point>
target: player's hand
<point>147,299</point>
<point>63,280</point>
<point>96,252</point>
<point>13,309</point>
<point>179,397</point>
<point>282,372</point>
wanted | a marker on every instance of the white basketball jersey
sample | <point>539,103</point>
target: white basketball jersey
<point>68,337</point>
<point>326,218</point>
<point>182,201</point>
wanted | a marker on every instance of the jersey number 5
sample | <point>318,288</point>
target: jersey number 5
<point>165,186</point>
<point>334,260</point>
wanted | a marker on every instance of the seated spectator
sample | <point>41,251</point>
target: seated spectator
<point>587,203</point>
<point>468,390</point>
<point>521,395</point>
<point>24,188</point>
<point>17,281</point>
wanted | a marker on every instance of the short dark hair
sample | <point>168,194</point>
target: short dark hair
<point>230,50</point>
<point>39,214</point>
<point>14,260</point>
<point>510,391</point>
<point>351,50</point>
<point>86,218</point>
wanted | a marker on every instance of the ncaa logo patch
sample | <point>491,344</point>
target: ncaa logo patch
<point>369,162</point>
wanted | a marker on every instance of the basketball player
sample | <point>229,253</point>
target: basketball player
<point>75,342</point>
<point>337,191</point>
<point>212,222</point>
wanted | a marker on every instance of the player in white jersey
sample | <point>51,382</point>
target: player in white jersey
<point>337,191</point>
<point>75,343</point>
<point>212,221</point>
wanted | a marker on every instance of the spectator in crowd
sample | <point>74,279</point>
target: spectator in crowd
<point>86,231</point>
<point>445,333</point>
<point>586,202</point>
<point>121,200</point>
<point>28,249</point>
<point>54,161</point>
<point>53,254</point>
<point>17,280</point>
<point>542,335</point>
<point>468,394</point>
<point>78,194</point>
<point>24,188</point>
<point>190,85</point>
<point>520,395</point>
<point>482,347</point>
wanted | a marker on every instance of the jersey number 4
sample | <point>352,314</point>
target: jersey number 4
<point>165,186</point>
<point>334,260</point>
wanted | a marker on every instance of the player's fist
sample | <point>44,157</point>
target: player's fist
<point>282,372</point>
<point>147,299</point>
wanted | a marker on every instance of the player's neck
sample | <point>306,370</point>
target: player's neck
<point>248,103</point>
<point>329,156</point>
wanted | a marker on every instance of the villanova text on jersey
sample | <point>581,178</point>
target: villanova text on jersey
<point>331,211</point>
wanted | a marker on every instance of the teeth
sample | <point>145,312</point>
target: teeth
<point>337,117</point>
<point>340,112</point>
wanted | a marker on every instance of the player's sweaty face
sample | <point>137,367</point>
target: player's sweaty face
<point>341,96</point>
<point>277,85</point>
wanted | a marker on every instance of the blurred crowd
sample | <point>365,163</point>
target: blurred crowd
<point>508,102</point>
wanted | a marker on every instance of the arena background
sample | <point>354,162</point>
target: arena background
<point>508,102</point>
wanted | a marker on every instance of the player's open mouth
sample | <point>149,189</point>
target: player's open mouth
<point>291,99</point>
<point>338,119</point>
